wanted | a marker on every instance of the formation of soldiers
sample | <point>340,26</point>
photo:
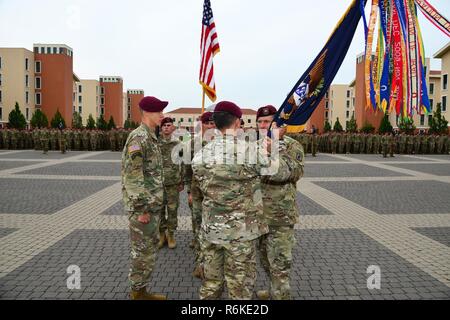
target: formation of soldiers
<point>368,143</point>
<point>239,210</point>
<point>66,139</point>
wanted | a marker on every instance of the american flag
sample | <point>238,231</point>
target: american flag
<point>209,46</point>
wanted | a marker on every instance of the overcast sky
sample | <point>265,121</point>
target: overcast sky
<point>266,45</point>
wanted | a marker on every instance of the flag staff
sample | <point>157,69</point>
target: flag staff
<point>203,100</point>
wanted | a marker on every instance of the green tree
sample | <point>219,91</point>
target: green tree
<point>90,122</point>
<point>438,124</point>
<point>111,124</point>
<point>101,123</point>
<point>352,126</point>
<point>134,125</point>
<point>337,126</point>
<point>39,120</point>
<point>127,124</point>
<point>406,125</point>
<point>327,126</point>
<point>77,121</point>
<point>16,119</point>
<point>385,125</point>
<point>58,121</point>
<point>368,128</point>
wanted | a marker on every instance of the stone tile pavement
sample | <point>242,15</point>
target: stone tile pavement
<point>356,212</point>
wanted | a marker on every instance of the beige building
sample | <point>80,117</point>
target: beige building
<point>17,82</point>
<point>187,117</point>
<point>340,104</point>
<point>444,55</point>
<point>87,99</point>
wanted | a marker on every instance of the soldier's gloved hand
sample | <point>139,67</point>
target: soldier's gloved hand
<point>144,218</point>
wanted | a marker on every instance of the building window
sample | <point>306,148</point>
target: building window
<point>348,114</point>
<point>422,120</point>
<point>26,64</point>
<point>129,108</point>
<point>0,62</point>
<point>37,66</point>
<point>0,95</point>
<point>55,50</point>
<point>102,100</point>
<point>27,81</point>
<point>38,99</point>
<point>431,88</point>
<point>444,103</point>
<point>49,50</point>
<point>348,93</point>
<point>102,111</point>
<point>129,100</point>
<point>249,120</point>
<point>27,97</point>
<point>79,89</point>
<point>431,104</point>
<point>190,120</point>
<point>1,113</point>
<point>80,99</point>
<point>0,79</point>
<point>80,109</point>
<point>348,104</point>
<point>38,83</point>
<point>430,117</point>
<point>73,109</point>
<point>102,90</point>
<point>326,115</point>
<point>326,105</point>
<point>181,120</point>
<point>444,82</point>
<point>27,112</point>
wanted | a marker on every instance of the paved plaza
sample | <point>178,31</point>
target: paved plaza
<point>357,211</point>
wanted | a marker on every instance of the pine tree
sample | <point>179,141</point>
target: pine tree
<point>16,119</point>
<point>327,126</point>
<point>406,125</point>
<point>39,120</point>
<point>90,122</point>
<point>385,125</point>
<point>101,123</point>
<point>127,124</point>
<point>111,124</point>
<point>58,121</point>
<point>337,126</point>
<point>77,121</point>
<point>438,124</point>
<point>352,126</point>
<point>368,128</point>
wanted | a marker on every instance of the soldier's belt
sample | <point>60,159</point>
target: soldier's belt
<point>276,183</point>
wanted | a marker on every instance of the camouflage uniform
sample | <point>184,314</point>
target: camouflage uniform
<point>54,139</point>
<point>62,141</point>
<point>172,182</point>
<point>45,136</point>
<point>384,145</point>
<point>342,143</point>
<point>14,137</point>
<point>314,144</point>
<point>409,144</point>
<point>85,138</point>
<point>281,214</point>
<point>432,144</point>
<point>93,136</point>
<point>232,217</point>
<point>112,139</point>
<point>143,192</point>
<point>77,140</point>
<point>334,143</point>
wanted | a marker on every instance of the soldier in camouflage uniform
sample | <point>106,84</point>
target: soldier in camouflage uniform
<point>62,141</point>
<point>85,139</point>
<point>14,136</point>
<point>314,144</point>
<point>342,143</point>
<point>77,139</point>
<point>357,143</point>
<point>143,193</point>
<point>112,139</point>
<point>172,185</point>
<point>417,139</point>
<point>281,214</point>
<point>424,145</point>
<point>93,137</point>
<point>45,137</point>
<point>334,143</point>
<point>232,207</point>
<point>195,196</point>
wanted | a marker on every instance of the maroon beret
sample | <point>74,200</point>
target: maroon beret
<point>166,120</point>
<point>229,107</point>
<point>206,117</point>
<point>266,111</point>
<point>152,104</point>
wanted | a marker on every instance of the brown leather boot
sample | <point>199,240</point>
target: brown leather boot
<point>197,273</point>
<point>171,240</point>
<point>263,294</point>
<point>162,239</point>
<point>142,294</point>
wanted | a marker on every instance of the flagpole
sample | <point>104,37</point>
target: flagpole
<point>203,101</point>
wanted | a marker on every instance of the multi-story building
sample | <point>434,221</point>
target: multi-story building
<point>17,83</point>
<point>54,80</point>
<point>444,55</point>
<point>341,105</point>
<point>87,99</point>
<point>111,99</point>
<point>134,96</point>
<point>186,118</point>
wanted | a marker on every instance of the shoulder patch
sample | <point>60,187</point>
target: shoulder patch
<point>134,148</point>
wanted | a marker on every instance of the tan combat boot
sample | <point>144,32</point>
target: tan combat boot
<point>162,239</point>
<point>142,294</point>
<point>171,240</point>
<point>197,273</point>
<point>263,294</point>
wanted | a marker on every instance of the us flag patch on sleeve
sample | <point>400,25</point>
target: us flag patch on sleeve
<point>134,148</point>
